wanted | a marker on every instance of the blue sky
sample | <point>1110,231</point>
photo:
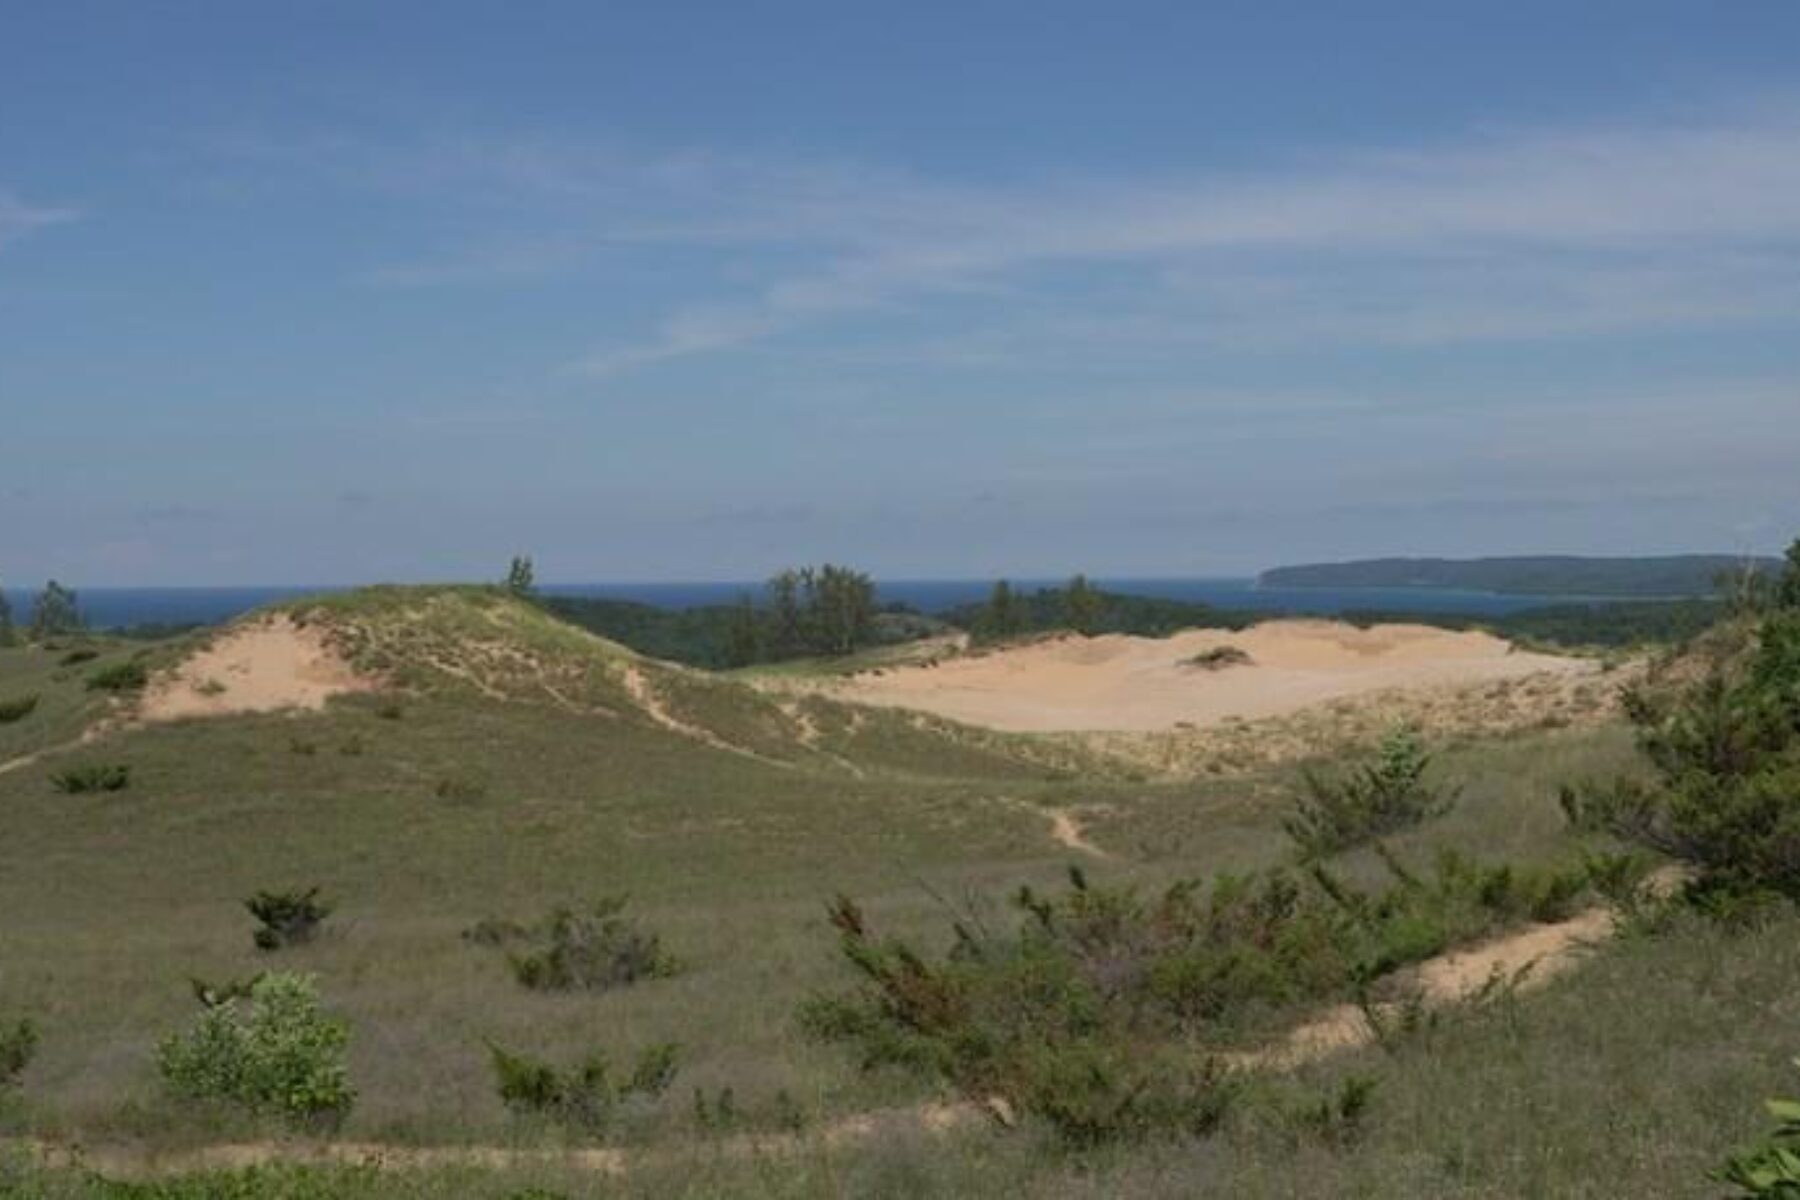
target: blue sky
<point>328,293</point>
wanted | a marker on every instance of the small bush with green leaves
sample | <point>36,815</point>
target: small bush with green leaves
<point>588,1096</point>
<point>570,949</point>
<point>1725,793</point>
<point>273,1051</point>
<point>288,918</point>
<point>17,709</point>
<point>1771,1170</point>
<point>18,1046</point>
<point>93,777</point>
<point>120,677</point>
<point>1097,1013</point>
<point>1382,796</point>
<point>79,655</point>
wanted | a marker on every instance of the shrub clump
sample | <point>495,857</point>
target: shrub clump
<point>289,918</point>
<point>1724,796</point>
<point>272,1051</point>
<point>18,1046</point>
<point>1771,1170</point>
<point>120,677</point>
<point>1101,1012</point>
<point>94,777</point>
<point>17,710</point>
<point>591,950</point>
<point>1383,795</point>
<point>587,1096</point>
<point>1218,658</point>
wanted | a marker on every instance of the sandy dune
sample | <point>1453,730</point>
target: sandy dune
<point>267,666</point>
<point>1120,683</point>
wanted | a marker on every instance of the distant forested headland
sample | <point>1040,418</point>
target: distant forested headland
<point>1679,575</point>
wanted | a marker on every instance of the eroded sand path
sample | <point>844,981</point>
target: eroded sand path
<point>1120,683</point>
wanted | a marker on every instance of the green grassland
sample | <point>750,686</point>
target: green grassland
<point>516,763</point>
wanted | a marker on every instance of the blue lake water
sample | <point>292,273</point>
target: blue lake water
<point>113,607</point>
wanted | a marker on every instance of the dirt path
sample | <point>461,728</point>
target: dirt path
<point>1526,959</point>
<point>1067,830</point>
<point>637,686</point>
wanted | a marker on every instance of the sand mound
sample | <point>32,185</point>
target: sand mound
<point>265,666</point>
<point>1120,683</point>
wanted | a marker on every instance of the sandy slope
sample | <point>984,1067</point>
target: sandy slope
<point>267,666</point>
<point>1124,683</point>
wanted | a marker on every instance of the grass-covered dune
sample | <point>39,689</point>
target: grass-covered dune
<point>502,764</point>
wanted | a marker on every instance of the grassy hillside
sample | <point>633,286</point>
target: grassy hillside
<point>1680,575</point>
<point>513,763</point>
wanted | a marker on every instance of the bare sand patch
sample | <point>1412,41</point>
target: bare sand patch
<point>263,666</point>
<point>1134,684</point>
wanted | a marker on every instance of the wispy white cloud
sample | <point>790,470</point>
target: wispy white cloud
<point>1520,235</point>
<point>19,220</point>
<point>1508,234</point>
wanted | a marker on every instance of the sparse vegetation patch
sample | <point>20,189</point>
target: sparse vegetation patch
<point>17,709</point>
<point>1383,795</point>
<point>93,777</point>
<point>287,918</point>
<point>572,949</point>
<point>589,1096</point>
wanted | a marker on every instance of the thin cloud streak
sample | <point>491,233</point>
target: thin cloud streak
<point>19,220</point>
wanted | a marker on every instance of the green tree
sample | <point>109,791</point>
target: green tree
<point>55,612</point>
<point>1787,591</point>
<point>842,606</point>
<point>786,619</point>
<point>744,637</point>
<point>1081,606</point>
<point>1002,618</point>
<point>521,579</point>
<point>8,636</point>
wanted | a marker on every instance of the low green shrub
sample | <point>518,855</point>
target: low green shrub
<point>1098,1013</point>
<point>17,709</point>
<point>272,1052</point>
<point>1770,1170</point>
<point>1382,796</point>
<point>79,655</point>
<point>120,677</point>
<point>588,1096</point>
<point>1725,794</point>
<point>594,950</point>
<point>93,777</point>
<point>289,918</point>
<point>18,1046</point>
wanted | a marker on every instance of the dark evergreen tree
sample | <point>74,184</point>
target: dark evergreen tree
<point>55,613</point>
<point>1002,618</point>
<point>521,579</point>
<point>744,640</point>
<point>1081,606</point>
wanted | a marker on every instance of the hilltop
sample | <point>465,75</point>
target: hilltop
<point>1681,575</point>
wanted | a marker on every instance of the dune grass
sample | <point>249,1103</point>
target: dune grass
<point>471,807</point>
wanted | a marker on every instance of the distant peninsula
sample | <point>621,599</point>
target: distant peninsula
<point>1677,575</point>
